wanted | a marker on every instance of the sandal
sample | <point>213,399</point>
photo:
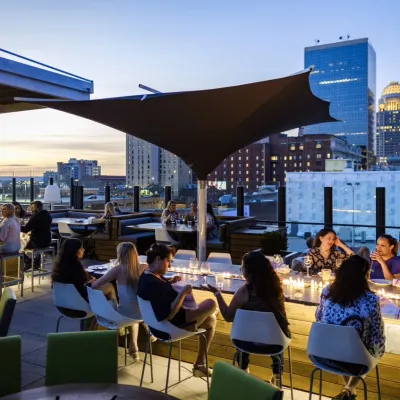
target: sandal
<point>135,356</point>
<point>200,371</point>
<point>345,394</point>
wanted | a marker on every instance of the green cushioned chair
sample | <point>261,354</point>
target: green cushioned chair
<point>7,306</point>
<point>82,357</point>
<point>229,382</point>
<point>10,365</point>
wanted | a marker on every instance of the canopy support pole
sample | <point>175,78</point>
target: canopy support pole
<point>201,220</point>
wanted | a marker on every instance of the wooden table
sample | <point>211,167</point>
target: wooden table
<point>177,228</point>
<point>90,392</point>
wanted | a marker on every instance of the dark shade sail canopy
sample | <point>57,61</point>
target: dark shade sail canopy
<point>206,126</point>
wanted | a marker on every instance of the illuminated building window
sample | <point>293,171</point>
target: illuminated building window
<point>240,158</point>
<point>285,165</point>
<point>301,147</point>
<point>274,158</point>
<point>247,165</point>
<point>308,164</point>
<point>247,180</point>
<point>328,155</point>
<point>290,157</point>
<point>285,158</point>
<point>231,165</point>
<point>292,147</point>
<point>273,179</point>
<point>318,155</point>
<point>318,145</point>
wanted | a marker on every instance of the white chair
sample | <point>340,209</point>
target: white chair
<point>65,232</point>
<point>267,333</point>
<point>66,297</point>
<point>185,254</point>
<point>345,345</point>
<point>162,236</point>
<point>166,332</point>
<point>107,316</point>
<point>222,258</point>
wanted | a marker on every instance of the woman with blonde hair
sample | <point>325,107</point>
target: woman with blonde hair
<point>170,215</point>
<point>126,273</point>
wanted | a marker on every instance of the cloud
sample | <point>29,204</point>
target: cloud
<point>14,165</point>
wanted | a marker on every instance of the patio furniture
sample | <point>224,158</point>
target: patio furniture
<point>162,236</point>
<point>14,280</point>
<point>90,392</point>
<point>184,254</point>
<point>70,303</point>
<point>7,306</point>
<point>10,366</point>
<point>267,340</point>
<point>231,383</point>
<point>82,357</point>
<point>221,258</point>
<point>108,317</point>
<point>345,346</point>
<point>66,232</point>
<point>166,332</point>
<point>41,272</point>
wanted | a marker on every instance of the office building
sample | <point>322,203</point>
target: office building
<point>388,126</point>
<point>76,169</point>
<point>49,174</point>
<point>147,165</point>
<point>345,74</point>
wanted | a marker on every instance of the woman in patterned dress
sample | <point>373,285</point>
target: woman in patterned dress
<point>348,301</point>
<point>324,253</point>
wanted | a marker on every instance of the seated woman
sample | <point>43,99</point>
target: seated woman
<point>19,211</point>
<point>127,273</point>
<point>348,301</point>
<point>169,215</point>
<point>212,223</point>
<point>69,269</point>
<point>386,263</point>
<point>324,254</point>
<point>167,303</point>
<point>261,292</point>
<point>10,230</point>
<point>191,215</point>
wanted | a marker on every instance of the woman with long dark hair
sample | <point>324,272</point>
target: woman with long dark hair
<point>69,269</point>
<point>324,253</point>
<point>386,263</point>
<point>212,223</point>
<point>262,292</point>
<point>348,301</point>
<point>19,211</point>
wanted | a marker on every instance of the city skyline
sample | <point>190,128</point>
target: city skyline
<point>171,47</point>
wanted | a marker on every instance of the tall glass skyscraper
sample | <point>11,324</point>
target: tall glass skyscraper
<point>345,74</point>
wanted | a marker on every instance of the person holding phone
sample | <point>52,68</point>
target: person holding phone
<point>385,262</point>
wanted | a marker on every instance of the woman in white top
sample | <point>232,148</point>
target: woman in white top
<point>126,273</point>
<point>10,230</point>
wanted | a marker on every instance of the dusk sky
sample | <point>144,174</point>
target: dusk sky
<point>168,45</point>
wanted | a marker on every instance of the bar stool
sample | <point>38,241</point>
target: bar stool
<point>19,279</point>
<point>41,271</point>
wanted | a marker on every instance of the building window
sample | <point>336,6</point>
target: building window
<point>318,155</point>
<point>231,158</point>
<point>328,155</point>
<point>308,156</point>
<point>285,165</point>
<point>308,164</point>
<point>301,147</point>
<point>247,180</point>
<point>318,145</point>
<point>292,147</point>
<point>240,158</point>
<point>290,157</point>
<point>274,158</point>
<point>295,165</point>
<point>247,165</point>
<point>231,165</point>
<point>285,158</point>
<point>273,179</point>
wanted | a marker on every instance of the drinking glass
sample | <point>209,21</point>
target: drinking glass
<point>193,265</point>
<point>219,281</point>
<point>205,270</point>
<point>338,263</point>
<point>308,264</point>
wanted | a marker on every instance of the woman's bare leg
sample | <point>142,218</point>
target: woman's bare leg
<point>134,332</point>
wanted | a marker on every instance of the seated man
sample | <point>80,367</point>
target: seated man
<point>39,227</point>
<point>9,230</point>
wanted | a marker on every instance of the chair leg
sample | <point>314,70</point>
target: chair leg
<point>320,384</point>
<point>365,389</point>
<point>206,357</point>
<point>290,372</point>
<point>179,361</point>
<point>151,360</point>
<point>234,358</point>
<point>378,383</point>
<point>126,345</point>
<point>32,270</point>
<point>169,364</point>
<point>21,276</point>
<point>312,382</point>
<point>144,361</point>
<point>58,322</point>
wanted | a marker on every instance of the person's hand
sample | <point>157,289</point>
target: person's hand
<point>187,289</point>
<point>375,256</point>
<point>338,242</point>
<point>93,280</point>
<point>176,278</point>
<point>211,288</point>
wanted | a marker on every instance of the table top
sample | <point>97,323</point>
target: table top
<point>90,392</point>
<point>152,226</point>
<point>75,221</point>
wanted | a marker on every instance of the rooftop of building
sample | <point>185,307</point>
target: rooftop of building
<point>392,89</point>
<point>340,43</point>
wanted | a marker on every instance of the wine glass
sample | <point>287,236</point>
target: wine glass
<point>205,270</point>
<point>193,265</point>
<point>308,263</point>
<point>277,260</point>
<point>339,262</point>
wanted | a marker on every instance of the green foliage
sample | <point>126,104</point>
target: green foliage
<point>274,242</point>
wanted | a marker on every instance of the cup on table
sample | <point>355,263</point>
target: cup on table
<point>219,281</point>
<point>326,274</point>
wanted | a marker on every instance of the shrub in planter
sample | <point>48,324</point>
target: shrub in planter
<point>274,243</point>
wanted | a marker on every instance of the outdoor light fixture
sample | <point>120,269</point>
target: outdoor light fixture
<point>52,194</point>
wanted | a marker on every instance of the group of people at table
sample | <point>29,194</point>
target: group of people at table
<point>348,300</point>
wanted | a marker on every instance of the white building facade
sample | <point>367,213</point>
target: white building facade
<point>354,201</point>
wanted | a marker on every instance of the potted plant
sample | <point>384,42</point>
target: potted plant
<point>274,243</point>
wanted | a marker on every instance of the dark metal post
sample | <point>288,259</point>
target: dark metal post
<point>107,194</point>
<point>380,211</point>
<point>282,207</point>
<point>14,189</point>
<point>78,200</point>
<point>240,201</point>
<point>136,199</point>
<point>167,195</point>
<point>32,189</point>
<point>328,207</point>
<point>51,181</point>
<point>72,193</point>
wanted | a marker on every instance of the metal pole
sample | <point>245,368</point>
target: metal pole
<point>14,189</point>
<point>328,207</point>
<point>201,220</point>
<point>380,211</point>
<point>136,198</point>
<point>167,195</point>
<point>282,207</point>
<point>240,201</point>
<point>51,181</point>
<point>71,193</point>
<point>353,231</point>
<point>32,189</point>
<point>107,194</point>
